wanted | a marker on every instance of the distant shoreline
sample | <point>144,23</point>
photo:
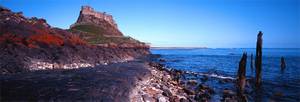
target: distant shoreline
<point>210,48</point>
<point>178,47</point>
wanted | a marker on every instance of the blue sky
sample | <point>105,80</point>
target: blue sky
<point>184,23</point>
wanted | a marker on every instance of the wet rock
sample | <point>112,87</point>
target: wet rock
<point>174,99</point>
<point>162,99</point>
<point>202,96</point>
<point>147,98</point>
<point>183,100</point>
<point>204,78</point>
<point>278,94</point>
<point>225,81</point>
<point>227,99</point>
<point>167,92</point>
<point>181,82</point>
<point>228,93</point>
<point>192,82</point>
<point>188,91</point>
<point>162,60</point>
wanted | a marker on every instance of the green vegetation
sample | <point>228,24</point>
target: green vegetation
<point>91,29</point>
<point>95,35</point>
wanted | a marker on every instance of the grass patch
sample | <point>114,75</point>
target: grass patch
<point>91,29</point>
<point>95,35</point>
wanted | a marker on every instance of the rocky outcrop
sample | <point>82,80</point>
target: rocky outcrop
<point>31,44</point>
<point>101,20</point>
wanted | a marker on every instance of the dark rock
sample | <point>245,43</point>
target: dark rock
<point>188,91</point>
<point>202,97</point>
<point>228,93</point>
<point>204,78</point>
<point>162,99</point>
<point>174,99</point>
<point>147,98</point>
<point>192,82</point>
<point>167,92</point>
<point>183,100</point>
<point>278,94</point>
<point>162,60</point>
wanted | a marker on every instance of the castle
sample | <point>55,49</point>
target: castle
<point>89,11</point>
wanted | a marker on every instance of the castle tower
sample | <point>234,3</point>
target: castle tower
<point>87,10</point>
<point>89,16</point>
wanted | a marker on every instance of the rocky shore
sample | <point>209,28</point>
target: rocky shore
<point>171,85</point>
<point>168,85</point>
<point>139,80</point>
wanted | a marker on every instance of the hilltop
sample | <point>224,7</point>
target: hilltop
<point>99,28</point>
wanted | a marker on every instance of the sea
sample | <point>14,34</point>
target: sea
<point>222,63</point>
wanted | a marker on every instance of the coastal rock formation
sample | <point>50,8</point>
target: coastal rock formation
<point>31,44</point>
<point>258,59</point>
<point>101,20</point>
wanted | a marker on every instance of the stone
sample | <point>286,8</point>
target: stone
<point>167,92</point>
<point>183,100</point>
<point>192,82</point>
<point>162,99</point>
<point>204,78</point>
<point>147,98</point>
<point>278,94</point>
<point>228,93</point>
<point>188,91</point>
<point>174,99</point>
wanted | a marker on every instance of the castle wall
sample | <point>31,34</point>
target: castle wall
<point>86,10</point>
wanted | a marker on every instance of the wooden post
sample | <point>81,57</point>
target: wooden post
<point>282,63</point>
<point>241,81</point>
<point>251,62</point>
<point>242,72</point>
<point>258,59</point>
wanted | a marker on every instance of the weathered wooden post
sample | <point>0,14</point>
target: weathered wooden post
<point>241,81</point>
<point>258,59</point>
<point>251,62</point>
<point>242,72</point>
<point>282,64</point>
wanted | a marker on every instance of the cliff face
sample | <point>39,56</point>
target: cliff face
<point>31,44</point>
<point>101,20</point>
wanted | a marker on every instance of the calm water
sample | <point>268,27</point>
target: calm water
<point>224,62</point>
